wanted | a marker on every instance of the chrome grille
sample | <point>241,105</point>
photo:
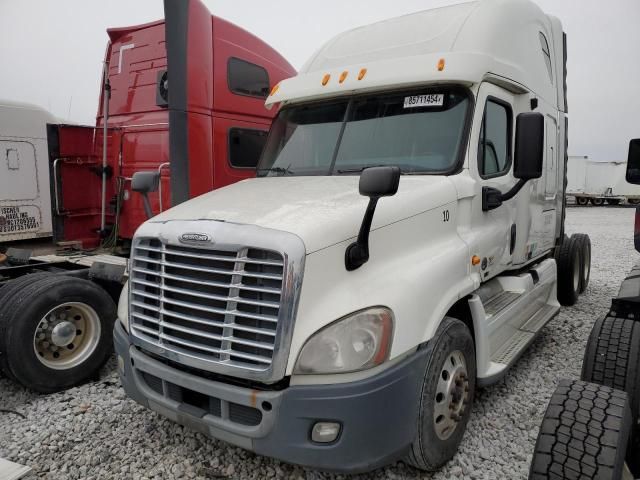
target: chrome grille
<point>214,306</point>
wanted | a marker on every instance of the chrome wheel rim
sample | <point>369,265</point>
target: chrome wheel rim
<point>67,336</point>
<point>452,395</point>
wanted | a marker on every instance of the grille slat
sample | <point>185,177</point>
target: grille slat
<point>219,271</point>
<point>180,278</point>
<point>202,256</point>
<point>217,306</point>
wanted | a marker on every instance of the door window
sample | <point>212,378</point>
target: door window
<point>245,147</point>
<point>494,146</point>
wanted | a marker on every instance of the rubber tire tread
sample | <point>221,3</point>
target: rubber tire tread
<point>6,293</point>
<point>28,370</point>
<point>565,257</point>
<point>441,451</point>
<point>612,359</point>
<point>585,244</point>
<point>583,435</point>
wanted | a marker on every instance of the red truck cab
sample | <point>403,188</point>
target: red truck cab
<point>185,97</point>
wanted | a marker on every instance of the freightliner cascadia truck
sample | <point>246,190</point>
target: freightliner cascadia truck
<point>402,245</point>
<point>182,105</point>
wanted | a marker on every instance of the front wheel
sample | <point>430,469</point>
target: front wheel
<point>446,396</point>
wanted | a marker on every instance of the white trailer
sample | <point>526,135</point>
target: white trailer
<point>599,182</point>
<point>301,315</point>
<point>25,201</point>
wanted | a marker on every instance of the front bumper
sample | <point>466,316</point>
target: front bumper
<point>378,415</point>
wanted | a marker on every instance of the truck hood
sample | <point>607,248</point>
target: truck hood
<point>322,211</point>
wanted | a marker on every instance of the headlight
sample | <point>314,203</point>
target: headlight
<point>123,307</point>
<point>357,342</point>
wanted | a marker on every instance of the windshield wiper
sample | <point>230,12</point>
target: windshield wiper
<point>283,171</point>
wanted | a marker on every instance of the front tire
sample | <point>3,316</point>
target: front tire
<point>584,244</point>
<point>57,332</point>
<point>568,260</point>
<point>446,396</point>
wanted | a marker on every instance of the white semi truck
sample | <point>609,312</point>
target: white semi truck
<point>303,316</point>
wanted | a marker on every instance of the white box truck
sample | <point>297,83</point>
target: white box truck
<point>25,202</point>
<point>303,316</point>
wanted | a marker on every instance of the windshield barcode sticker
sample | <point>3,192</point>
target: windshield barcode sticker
<point>432,100</point>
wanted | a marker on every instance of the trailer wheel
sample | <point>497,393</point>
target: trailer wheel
<point>612,358</point>
<point>568,259</point>
<point>446,396</point>
<point>57,332</point>
<point>582,201</point>
<point>6,293</point>
<point>584,434</point>
<point>634,201</point>
<point>584,243</point>
<point>597,202</point>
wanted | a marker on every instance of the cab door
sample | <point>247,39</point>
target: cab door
<point>491,164</point>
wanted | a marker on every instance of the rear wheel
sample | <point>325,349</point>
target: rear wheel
<point>597,202</point>
<point>6,294</point>
<point>634,201</point>
<point>584,244</point>
<point>446,396</point>
<point>584,434</point>
<point>57,332</point>
<point>612,358</point>
<point>568,259</point>
<point>582,201</point>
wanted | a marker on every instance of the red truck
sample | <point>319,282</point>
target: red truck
<point>182,99</point>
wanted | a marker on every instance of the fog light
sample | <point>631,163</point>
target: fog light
<point>325,432</point>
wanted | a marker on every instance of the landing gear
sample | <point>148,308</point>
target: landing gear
<point>447,396</point>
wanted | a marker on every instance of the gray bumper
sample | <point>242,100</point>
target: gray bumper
<point>378,415</point>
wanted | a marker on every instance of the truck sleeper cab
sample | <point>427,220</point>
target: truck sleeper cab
<point>293,316</point>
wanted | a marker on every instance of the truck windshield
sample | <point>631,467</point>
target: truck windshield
<point>421,132</point>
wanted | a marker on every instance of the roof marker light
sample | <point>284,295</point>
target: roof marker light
<point>275,89</point>
<point>343,76</point>
<point>362,73</point>
<point>325,79</point>
<point>441,64</point>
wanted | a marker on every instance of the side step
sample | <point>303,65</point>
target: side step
<point>508,313</point>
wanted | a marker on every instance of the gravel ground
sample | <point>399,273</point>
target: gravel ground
<point>95,432</point>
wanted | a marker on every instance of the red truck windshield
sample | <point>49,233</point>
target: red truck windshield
<point>419,131</point>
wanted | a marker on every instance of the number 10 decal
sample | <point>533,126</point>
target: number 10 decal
<point>445,216</point>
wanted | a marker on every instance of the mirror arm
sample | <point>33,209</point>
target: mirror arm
<point>357,254</point>
<point>493,198</point>
<point>514,190</point>
<point>147,205</point>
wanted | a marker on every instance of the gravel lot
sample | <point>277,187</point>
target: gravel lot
<point>95,432</point>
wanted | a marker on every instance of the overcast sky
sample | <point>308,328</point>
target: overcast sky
<point>51,52</point>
